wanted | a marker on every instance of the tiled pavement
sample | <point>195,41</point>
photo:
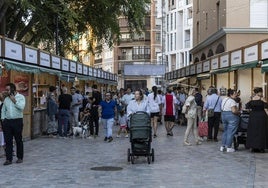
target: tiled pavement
<point>53,162</point>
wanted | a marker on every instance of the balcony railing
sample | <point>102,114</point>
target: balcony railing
<point>134,57</point>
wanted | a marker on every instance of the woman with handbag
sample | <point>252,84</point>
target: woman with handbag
<point>230,120</point>
<point>190,109</point>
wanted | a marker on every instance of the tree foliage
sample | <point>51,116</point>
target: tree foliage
<point>35,21</point>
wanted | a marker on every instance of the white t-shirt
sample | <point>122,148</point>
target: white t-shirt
<point>154,103</point>
<point>227,104</point>
<point>127,98</point>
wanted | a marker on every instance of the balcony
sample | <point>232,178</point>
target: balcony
<point>134,57</point>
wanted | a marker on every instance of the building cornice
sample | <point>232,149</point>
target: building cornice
<point>223,31</point>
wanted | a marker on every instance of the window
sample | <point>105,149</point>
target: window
<point>259,13</point>
<point>158,37</point>
<point>171,41</point>
<point>167,23</point>
<point>168,42</point>
<point>197,32</point>
<point>175,21</point>
<point>218,15</point>
<point>171,21</point>
<point>141,52</point>
<point>175,36</point>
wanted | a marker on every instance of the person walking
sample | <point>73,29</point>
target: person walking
<point>12,122</point>
<point>154,103</point>
<point>138,104</point>
<point>52,111</point>
<point>65,101</point>
<point>169,110</point>
<point>96,95</point>
<point>230,120</point>
<point>108,110</point>
<point>257,132</point>
<point>191,115</point>
<point>181,97</point>
<point>213,102</point>
<point>77,100</point>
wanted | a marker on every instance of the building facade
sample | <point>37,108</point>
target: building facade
<point>179,26</point>
<point>228,46</point>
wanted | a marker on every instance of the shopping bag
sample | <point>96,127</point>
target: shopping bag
<point>203,128</point>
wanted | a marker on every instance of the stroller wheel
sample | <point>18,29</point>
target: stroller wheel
<point>152,155</point>
<point>128,155</point>
<point>149,159</point>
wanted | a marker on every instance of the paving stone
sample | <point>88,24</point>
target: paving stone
<point>54,162</point>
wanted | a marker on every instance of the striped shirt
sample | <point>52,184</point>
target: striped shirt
<point>11,110</point>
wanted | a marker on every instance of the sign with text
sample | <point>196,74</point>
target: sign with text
<point>144,70</point>
<point>90,71</point>
<point>44,59</point>
<point>31,55</point>
<point>73,66</point>
<point>65,65</point>
<point>13,50</point>
<point>236,57</point>
<point>251,54</point>
<point>85,69</point>
<point>206,66</point>
<point>55,62</point>
<point>224,61</point>
<point>215,63</point>
<point>192,69</point>
<point>264,50</point>
<point>79,68</point>
<point>199,68</point>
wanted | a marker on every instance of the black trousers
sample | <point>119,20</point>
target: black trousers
<point>94,122</point>
<point>214,123</point>
<point>13,128</point>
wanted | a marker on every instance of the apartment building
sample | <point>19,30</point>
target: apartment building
<point>229,46</point>
<point>179,28</point>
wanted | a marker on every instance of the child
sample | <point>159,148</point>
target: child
<point>123,124</point>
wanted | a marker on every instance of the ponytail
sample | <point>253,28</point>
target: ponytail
<point>154,88</point>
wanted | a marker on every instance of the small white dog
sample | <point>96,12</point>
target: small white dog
<point>81,131</point>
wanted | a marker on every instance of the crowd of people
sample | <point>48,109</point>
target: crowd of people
<point>176,106</point>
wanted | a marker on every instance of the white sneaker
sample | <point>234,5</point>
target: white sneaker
<point>186,143</point>
<point>126,136</point>
<point>222,148</point>
<point>117,136</point>
<point>229,150</point>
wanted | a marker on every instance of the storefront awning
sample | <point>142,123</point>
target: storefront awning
<point>50,71</point>
<point>20,67</point>
<point>220,71</point>
<point>248,65</point>
<point>67,77</point>
<point>264,67</point>
<point>203,76</point>
<point>178,81</point>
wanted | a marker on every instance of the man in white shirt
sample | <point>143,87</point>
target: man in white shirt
<point>127,97</point>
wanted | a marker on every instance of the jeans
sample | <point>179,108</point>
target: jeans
<point>94,121</point>
<point>108,126</point>
<point>64,116</point>
<point>13,128</point>
<point>230,123</point>
<point>74,119</point>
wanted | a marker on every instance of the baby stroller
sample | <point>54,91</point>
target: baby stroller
<point>241,133</point>
<point>140,137</point>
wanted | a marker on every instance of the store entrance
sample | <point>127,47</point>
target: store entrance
<point>135,84</point>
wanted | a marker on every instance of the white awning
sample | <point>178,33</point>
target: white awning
<point>178,81</point>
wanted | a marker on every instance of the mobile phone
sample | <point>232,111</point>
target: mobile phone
<point>12,92</point>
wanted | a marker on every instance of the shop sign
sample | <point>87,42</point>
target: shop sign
<point>215,63</point>
<point>85,70</point>
<point>199,68</point>
<point>192,69</point>
<point>187,71</point>
<point>178,73</point>
<point>44,59</point>
<point>30,55</point>
<point>236,57</point>
<point>95,73</point>
<point>206,66</point>
<point>264,50</point>
<point>13,50</point>
<point>90,72</point>
<point>224,61</point>
<point>183,72</point>
<point>55,62</point>
<point>79,68</point>
<point>73,66</point>
<point>65,64</point>
<point>251,54</point>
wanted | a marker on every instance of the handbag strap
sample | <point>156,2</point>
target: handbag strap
<point>216,103</point>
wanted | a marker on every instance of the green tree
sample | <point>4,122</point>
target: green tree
<point>33,21</point>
